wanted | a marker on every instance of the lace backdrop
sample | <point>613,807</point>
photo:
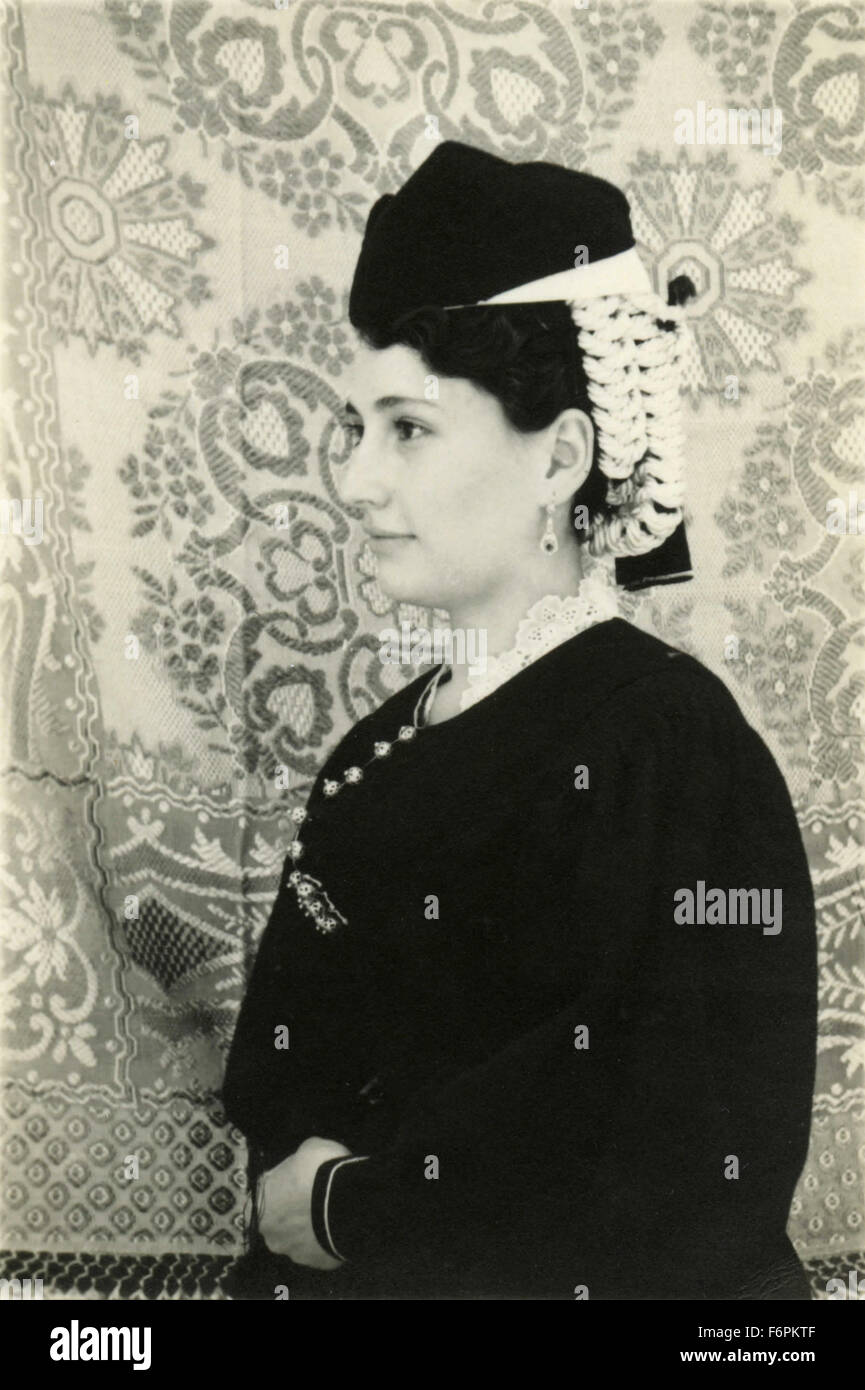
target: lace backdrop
<point>186,187</point>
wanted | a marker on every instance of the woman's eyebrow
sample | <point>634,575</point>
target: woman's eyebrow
<point>385,402</point>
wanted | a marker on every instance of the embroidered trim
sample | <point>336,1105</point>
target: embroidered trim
<point>548,623</point>
<point>315,902</point>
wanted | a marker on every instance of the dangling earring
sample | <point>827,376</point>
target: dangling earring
<point>549,540</point>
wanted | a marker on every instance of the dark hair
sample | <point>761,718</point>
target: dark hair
<point>527,356</point>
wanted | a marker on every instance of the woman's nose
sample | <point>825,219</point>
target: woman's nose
<point>364,479</point>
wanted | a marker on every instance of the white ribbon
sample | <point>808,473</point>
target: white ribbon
<point>621,274</point>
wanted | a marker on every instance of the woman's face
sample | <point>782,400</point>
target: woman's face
<point>460,491</point>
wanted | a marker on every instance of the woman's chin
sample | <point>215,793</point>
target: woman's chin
<point>419,595</point>
<point>404,584</point>
<point>403,591</point>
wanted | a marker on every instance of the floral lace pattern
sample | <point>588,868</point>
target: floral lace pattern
<point>145,786</point>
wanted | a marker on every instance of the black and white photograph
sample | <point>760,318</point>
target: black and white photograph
<point>433,651</point>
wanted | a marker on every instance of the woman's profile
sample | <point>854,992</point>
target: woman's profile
<point>534,1014</point>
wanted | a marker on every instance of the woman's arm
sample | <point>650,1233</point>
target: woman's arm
<point>279,1095</point>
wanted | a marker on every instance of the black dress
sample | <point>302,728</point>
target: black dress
<point>617,1100</point>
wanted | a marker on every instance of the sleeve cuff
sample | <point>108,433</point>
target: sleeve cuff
<point>321,1194</point>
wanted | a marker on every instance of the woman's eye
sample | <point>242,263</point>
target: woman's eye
<point>410,425</point>
<point>354,432</point>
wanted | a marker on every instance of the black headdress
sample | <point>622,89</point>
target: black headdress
<point>468,228</point>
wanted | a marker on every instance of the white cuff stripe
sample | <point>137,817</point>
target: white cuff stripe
<point>358,1158</point>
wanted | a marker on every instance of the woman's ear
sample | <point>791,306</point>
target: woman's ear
<point>573,448</point>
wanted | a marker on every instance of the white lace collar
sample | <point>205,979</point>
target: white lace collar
<point>548,623</point>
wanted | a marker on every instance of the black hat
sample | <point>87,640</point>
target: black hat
<point>467,227</point>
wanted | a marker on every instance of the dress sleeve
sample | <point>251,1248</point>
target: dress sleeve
<point>662,1095</point>
<point>277,1098</point>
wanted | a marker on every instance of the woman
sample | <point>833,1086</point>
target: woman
<point>514,1030</point>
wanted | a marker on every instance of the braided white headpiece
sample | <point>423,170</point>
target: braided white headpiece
<point>633,370</point>
<point>632,365</point>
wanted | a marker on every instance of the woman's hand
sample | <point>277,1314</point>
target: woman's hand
<point>285,1195</point>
